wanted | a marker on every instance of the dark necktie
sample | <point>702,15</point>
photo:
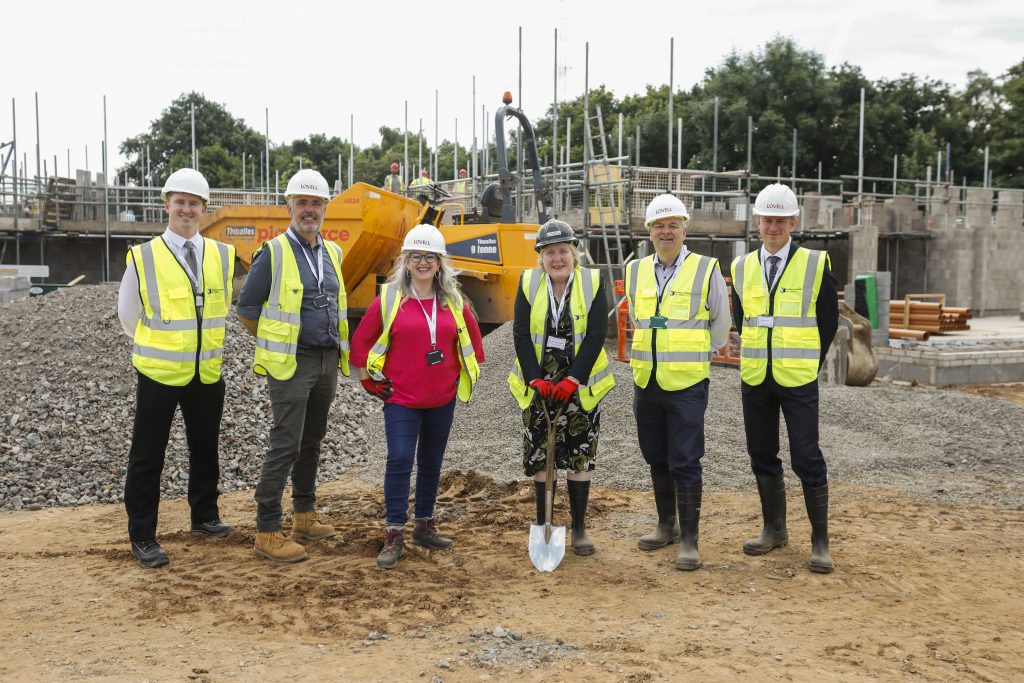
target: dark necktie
<point>191,262</point>
<point>773,268</point>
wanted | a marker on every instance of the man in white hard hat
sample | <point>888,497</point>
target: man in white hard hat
<point>680,308</point>
<point>173,300</point>
<point>294,303</point>
<point>785,306</point>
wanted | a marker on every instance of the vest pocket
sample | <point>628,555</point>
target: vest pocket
<point>789,302</point>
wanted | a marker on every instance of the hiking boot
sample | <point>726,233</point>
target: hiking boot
<point>688,501</point>
<point>274,545</point>
<point>579,493</point>
<point>149,554</point>
<point>394,548</point>
<point>772,490</point>
<point>667,531</point>
<point>424,534</point>
<point>307,527</point>
<point>816,500</point>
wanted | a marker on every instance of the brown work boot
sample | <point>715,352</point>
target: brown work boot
<point>308,527</point>
<point>424,534</point>
<point>274,545</point>
<point>394,548</point>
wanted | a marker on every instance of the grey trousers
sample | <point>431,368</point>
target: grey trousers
<point>300,406</point>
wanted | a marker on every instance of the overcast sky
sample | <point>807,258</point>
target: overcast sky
<point>314,64</point>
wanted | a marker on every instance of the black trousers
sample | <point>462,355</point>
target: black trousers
<point>155,403</point>
<point>670,428</point>
<point>799,406</point>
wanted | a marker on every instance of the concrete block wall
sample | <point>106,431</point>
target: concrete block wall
<point>950,262</point>
<point>978,207</point>
<point>862,256</point>
<point>997,283</point>
<point>14,287</point>
<point>1010,208</point>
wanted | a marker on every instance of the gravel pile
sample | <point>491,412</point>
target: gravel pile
<point>68,402</point>
<point>944,444</point>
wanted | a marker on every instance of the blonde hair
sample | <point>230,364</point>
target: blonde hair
<point>445,284</point>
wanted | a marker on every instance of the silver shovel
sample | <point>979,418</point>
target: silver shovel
<point>547,543</point>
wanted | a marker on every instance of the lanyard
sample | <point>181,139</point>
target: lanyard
<point>556,307</point>
<point>317,273</point>
<point>431,320</point>
<point>670,276</point>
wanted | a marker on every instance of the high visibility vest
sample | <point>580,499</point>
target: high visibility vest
<point>168,346</point>
<point>390,302</point>
<point>421,182</point>
<point>787,316</point>
<point>461,187</point>
<point>535,285</point>
<point>277,335</point>
<point>393,183</point>
<point>682,348</point>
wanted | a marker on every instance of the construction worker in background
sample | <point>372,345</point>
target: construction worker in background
<point>560,359</point>
<point>294,303</point>
<point>785,306</point>
<point>422,187</point>
<point>461,188</point>
<point>173,301</point>
<point>417,348</point>
<point>679,304</point>
<point>393,181</point>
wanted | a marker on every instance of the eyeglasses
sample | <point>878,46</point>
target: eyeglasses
<point>429,258</point>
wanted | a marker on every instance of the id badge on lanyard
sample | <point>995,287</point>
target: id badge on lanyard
<point>321,300</point>
<point>435,355</point>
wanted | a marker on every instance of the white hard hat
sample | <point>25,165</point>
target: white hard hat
<point>776,200</point>
<point>424,237</point>
<point>666,206</point>
<point>308,182</point>
<point>187,180</point>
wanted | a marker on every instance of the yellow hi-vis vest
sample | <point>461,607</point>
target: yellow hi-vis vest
<point>682,348</point>
<point>168,347</point>
<point>393,183</point>
<point>390,301</point>
<point>277,335</point>
<point>785,318</point>
<point>535,286</point>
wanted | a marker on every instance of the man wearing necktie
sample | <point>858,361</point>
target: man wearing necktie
<point>173,301</point>
<point>785,306</point>
<point>294,303</point>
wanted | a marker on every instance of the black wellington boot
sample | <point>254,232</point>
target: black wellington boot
<point>667,531</point>
<point>538,487</point>
<point>688,501</point>
<point>579,493</point>
<point>816,499</point>
<point>772,490</point>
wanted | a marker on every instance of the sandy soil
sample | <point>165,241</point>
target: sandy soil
<point>1012,391</point>
<point>922,592</point>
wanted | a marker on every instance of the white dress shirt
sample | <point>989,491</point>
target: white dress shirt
<point>129,301</point>
<point>783,254</point>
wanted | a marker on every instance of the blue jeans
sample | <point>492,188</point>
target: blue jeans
<point>404,427</point>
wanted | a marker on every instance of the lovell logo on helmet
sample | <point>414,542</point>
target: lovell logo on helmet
<point>423,242</point>
<point>307,186</point>
<point>772,205</point>
<point>663,210</point>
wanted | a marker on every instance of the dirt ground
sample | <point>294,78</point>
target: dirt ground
<point>1012,392</point>
<point>921,591</point>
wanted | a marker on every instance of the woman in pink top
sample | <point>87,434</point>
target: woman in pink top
<point>417,347</point>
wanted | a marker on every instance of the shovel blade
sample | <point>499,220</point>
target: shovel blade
<point>546,555</point>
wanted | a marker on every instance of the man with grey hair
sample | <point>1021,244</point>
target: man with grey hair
<point>294,303</point>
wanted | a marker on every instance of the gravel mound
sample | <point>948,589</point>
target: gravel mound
<point>944,444</point>
<point>68,402</point>
<point>68,399</point>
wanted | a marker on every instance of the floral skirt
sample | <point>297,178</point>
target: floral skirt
<point>575,438</point>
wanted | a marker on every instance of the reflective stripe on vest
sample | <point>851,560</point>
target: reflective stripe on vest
<point>786,315</point>
<point>687,325</point>
<point>535,286</point>
<point>169,343</point>
<point>277,335</point>
<point>390,302</point>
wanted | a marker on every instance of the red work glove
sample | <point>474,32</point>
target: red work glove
<point>563,390</point>
<point>379,388</point>
<point>543,387</point>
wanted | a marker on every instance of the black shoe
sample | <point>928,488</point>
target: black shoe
<point>213,528</point>
<point>149,554</point>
